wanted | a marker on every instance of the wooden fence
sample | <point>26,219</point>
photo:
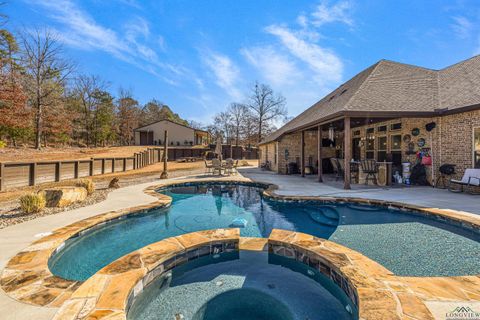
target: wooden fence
<point>20,174</point>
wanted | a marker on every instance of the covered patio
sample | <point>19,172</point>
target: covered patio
<point>387,115</point>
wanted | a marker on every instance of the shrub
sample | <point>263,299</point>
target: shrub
<point>32,203</point>
<point>87,184</point>
<point>3,144</point>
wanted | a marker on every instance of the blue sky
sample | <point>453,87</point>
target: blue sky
<point>198,56</point>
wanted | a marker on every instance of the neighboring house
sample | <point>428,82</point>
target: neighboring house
<point>178,134</point>
<point>387,108</point>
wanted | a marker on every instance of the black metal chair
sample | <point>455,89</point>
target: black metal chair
<point>336,168</point>
<point>354,171</point>
<point>370,168</point>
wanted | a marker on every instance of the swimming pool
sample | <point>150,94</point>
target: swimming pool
<point>407,244</point>
<point>243,285</point>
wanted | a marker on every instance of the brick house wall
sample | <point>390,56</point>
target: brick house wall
<point>450,142</point>
<point>268,152</point>
<point>456,139</point>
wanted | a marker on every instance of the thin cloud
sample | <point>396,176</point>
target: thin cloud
<point>339,12</point>
<point>326,65</point>
<point>462,27</point>
<point>225,71</point>
<point>81,31</point>
<point>276,68</point>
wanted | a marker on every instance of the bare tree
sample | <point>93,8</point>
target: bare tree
<point>223,122</point>
<point>46,74</point>
<point>86,89</point>
<point>267,107</point>
<point>238,112</point>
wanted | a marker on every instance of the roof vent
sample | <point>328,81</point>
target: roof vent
<point>344,90</point>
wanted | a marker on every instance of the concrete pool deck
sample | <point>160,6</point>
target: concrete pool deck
<point>295,185</point>
<point>15,238</point>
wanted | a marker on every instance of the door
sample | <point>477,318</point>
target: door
<point>150,138</point>
<point>143,138</point>
<point>146,138</point>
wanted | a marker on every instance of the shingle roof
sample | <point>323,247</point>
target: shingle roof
<point>393,87</point>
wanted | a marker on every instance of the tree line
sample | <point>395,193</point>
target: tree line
<point>44,101</point>
<point>249,122</point>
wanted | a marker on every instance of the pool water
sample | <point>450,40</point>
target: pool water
<point>242,286</point>
<point>404,243</point>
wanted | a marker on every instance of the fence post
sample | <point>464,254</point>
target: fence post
<point>33,173</point>
<point>75,169</point>
<point>90,169</point>
<point>113,164</point>
<point>2,176</point>
<point>58,171</point>
<point>124,164</point>
<point>103,166</point>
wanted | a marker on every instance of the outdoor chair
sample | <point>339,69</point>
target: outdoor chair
<point>354,171</point>
<point>235,166</point>
<point>266,166</point>
<point>208,167</point>
<point>337,169</point>
<point>471,178</point>
<point>228,166</point>
<point>370,168</point>
<point>217,166</point>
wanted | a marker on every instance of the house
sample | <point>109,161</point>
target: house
<point>178,134</point>
<point>388,112</point>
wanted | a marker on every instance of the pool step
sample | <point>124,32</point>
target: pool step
<point>319,217</point>
<point>330,212</point>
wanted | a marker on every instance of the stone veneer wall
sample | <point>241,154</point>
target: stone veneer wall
<point>450,142</point>
<point>268,152</point>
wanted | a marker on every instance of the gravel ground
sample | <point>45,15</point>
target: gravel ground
<point>11,214</point>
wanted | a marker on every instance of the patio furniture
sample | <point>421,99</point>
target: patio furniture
<point>235,166</point>
<point>471,178</point>
<point>228,166</point>
<point>208,167</point>
<point>266,165</point>
<point>217,166</point>
<point>337,168</point>
<point>370,168</point>
<point>354,171</point>
<point>446,171</point>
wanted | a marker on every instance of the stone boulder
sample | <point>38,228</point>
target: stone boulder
<point>64,196</point>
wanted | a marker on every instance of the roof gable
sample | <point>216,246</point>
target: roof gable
<point>393,87</point>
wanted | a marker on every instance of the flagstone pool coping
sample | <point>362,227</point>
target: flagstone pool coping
<point>28,279</point>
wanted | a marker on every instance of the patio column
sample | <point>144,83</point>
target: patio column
<point>347,151</point>
<point>302,154</point>
<point>319,153</point>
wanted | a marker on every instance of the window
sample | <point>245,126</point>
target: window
<point>382,129</point>
<point>476,148</point>
<point>356,132</point>
<point>396,142</point>
<point>382,149</point>
<point>370,130</point>
<point>396,126</point>
<point>370,145</point>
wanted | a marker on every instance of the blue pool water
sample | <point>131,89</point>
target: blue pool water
<point>245,286</point>
<point>404,243</point>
